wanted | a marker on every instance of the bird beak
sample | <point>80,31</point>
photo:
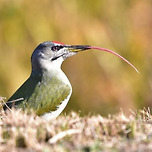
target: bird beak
<point>77,48</point>
<point>71,50</point>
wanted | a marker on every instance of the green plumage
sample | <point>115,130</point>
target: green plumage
<point>41,93</point>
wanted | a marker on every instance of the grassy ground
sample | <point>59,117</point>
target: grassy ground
<point>24,132</point>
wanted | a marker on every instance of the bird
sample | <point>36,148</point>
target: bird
<point>48,90</point>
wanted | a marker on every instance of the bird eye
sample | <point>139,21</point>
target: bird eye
<point>56,47</point>
<point>53,48</point>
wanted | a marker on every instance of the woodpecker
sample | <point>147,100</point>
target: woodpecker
<point>47,90</point>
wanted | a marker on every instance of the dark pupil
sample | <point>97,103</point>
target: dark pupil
<point>56,48</point>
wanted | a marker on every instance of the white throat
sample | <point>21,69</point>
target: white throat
<point>53,65</point>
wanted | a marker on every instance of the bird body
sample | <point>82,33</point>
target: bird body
<point>44,94</point>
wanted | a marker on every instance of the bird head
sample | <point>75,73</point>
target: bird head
<point>51,54</point>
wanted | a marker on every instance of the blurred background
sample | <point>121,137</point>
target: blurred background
<point>102,83</point>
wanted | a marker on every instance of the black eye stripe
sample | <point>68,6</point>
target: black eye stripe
<point>56,47</point>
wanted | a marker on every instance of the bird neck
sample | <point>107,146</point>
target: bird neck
<point>42,67</point>
<point>50,70</point>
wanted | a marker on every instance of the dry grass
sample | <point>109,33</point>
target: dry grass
<point>20,131</point>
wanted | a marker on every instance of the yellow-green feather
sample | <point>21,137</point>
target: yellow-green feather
<point>41,94</point>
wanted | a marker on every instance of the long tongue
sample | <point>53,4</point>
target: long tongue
<point>103,49</point>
